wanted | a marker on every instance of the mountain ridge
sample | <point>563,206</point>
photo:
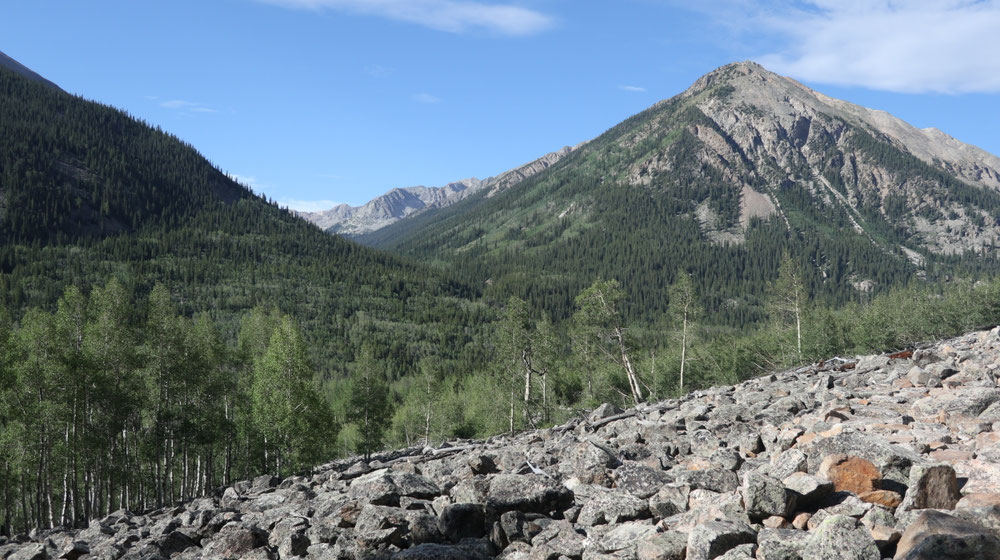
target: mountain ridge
<point>15,66</point>
<point>722,179</point>
<point>405,202</point>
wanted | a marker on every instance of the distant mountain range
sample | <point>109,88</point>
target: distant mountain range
<point>405,202</point>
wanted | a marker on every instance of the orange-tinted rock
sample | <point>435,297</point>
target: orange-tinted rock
<point>886,498</point>
<point>851,474</point>
<point>801,521</point>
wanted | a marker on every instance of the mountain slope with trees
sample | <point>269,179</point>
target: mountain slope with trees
<point>720,181</point>
<point>88,193</point>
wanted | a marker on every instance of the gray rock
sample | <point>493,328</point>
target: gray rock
<point>460,521</point>
<point>781,544</point>
<point>612,507</point>
<point>939,536</point>
<point>639,480</point>
<point>809,488</point>
<point>931,486</point>
<point>716,480</point>
<point>527,493</point>
<point>764,497</point>
<point>841,538</point>
<point>625,537</point>
<point>431,551</point>
<point>712,539</point>
<point>606,410</point>
<point>671,499</point>
<point>740,552</point>
<point>670,545</point>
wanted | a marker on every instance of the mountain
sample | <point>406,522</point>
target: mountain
<point>88,193</point>
<point>725,472</point>
<point>401,203</point>
<point>15,66</point>
<point>721,180</point>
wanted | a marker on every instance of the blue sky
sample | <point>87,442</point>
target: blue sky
<point>319,101</point>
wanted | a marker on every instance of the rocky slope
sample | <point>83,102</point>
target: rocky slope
<point>402,203</point>
<point>891,456</point>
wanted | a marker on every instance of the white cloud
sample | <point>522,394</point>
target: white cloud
<point>247,181</point>
<point>184,106</point>
<point>914,46</point>
<point>426,98</point>
<point>308,205</point>
<point>636,89</point>
<point>378,71</point>
<point>455,16</point>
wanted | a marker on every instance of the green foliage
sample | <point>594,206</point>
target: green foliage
<point>290,414</point>
<point>369,403</point>
<point>106,404</point>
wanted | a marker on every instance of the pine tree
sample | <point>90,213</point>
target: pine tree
<point>369,404</point>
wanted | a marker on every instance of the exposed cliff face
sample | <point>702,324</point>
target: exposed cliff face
<point>866,458</point>
<point>766,133</point>
<point>402,203</point>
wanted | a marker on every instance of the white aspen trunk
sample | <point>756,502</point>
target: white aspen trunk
<point>798,329</point>
<point>545,396</point>
<point>684,332</point>
<point>511,418</point>
<point>633,379</point>
<point>65,485</point>
<point>527,382</point>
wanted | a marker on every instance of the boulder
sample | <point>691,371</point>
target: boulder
<point>850,474</point>
<point>669,545</point>
<point>671,499</point>
<point>460,521</point>
<point>841,538</point>
<point>764,496</point>
<point>939,536</point>
<point>612,507</point>
<point>932,486</point>
<point>527,493</point>
<point>809,488</point>
<point>781,544</point>
<point>639,480</point>
<point>714,538</point>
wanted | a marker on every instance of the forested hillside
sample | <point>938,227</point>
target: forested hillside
<point>720,181</point>
<point>88,193</point>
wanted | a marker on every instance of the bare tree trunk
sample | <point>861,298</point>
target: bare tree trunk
<point>527,381</point>
<point>684,334</point>
<point>545,395</point>
<point>511,418</point>
<point>633,379</point>
<point>798,329</point>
